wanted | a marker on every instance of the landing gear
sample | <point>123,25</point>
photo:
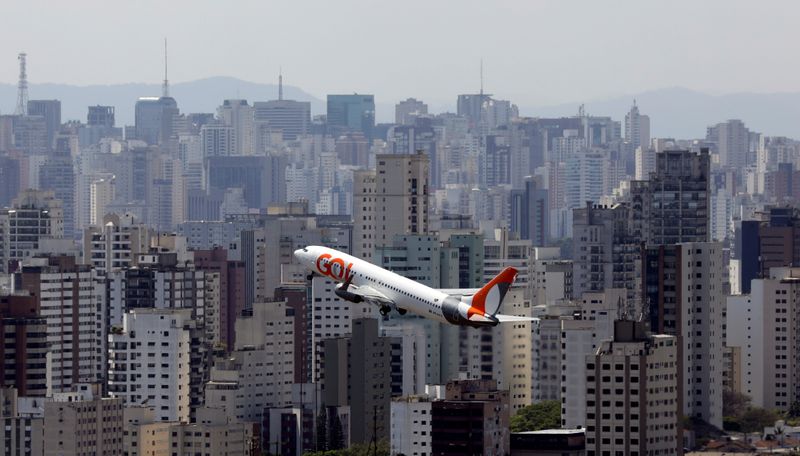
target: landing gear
<point>385,310</point>
<point>401,311</point>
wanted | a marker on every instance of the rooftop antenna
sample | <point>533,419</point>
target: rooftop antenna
<point>481,79</point>
<point>22,87</point>
<point>280,83</point>
<point>165,87</point>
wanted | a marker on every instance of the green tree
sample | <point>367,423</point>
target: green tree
<point>360,449</point>
<point>544,415</point>
<point>755,419</point>
<point>734,404</point>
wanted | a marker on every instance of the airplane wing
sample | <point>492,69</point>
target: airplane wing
<point>459,291</point>
<point>371,295</point>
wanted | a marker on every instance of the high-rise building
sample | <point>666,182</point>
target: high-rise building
<point>154,119</point>
<point>683,297</point>
<point>400,205</point>
<point>632,396</point>
<point>149,361</point>
<point>30,135</point>
<point>50,110</point>
<point>231,284</point>
<point>352,148</point>
<point>218,140</point>
<point>101,195</point>
<point>100,116</point>
<point>605,253</point>
<point>411,425</point>
<point>673,206</point>
<point>357,373</point>
<point>33,215</point>
<point>773,241</point>
<point>407,110</point>
<point>83,422</point>
<point>637,128</point>
<point>732,141</point>
<point>291,118</point>
<point>71,298</point>
<point>471,107</point>
<point>115,244</point>
<point>24,346</point>
<point>10,174</point>
<point>262,178</point>
<point>760,325</point>
<point>238,116</point>
<point>530,212</point>
<point>57,173</point>
<point>354,112</point>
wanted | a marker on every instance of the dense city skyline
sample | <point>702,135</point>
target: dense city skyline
<point>391,255</point>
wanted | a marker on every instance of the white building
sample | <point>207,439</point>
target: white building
<point>149,361</point>
<point>101,194</point>
<point>762,326</point>
<point>411,426</point>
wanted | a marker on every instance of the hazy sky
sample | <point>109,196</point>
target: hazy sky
<point>534,52</point>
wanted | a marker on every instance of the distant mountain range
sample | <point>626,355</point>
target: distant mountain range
<point>683,113</point>
<point>674,112</point>
<point>203,95</point>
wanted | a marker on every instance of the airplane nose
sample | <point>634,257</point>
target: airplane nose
<point>298,254</point>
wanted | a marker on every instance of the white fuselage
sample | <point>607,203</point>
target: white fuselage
<point>405,293</point>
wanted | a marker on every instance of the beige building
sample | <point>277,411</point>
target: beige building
<point>82,422</point>
<point>389,201</point>
<point>259,373</point>
<point>633,394</point>
<point>212,434</point>
<point>144,436</point>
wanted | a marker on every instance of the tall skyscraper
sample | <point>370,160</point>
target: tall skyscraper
<point>291,118</point>
<point>673,206</point>
<point>732,140</point>
<point>389,201</point>
<point>358,374</point>
<point>154,119</point>
<point>354,112</point>
<point>637,128</point>
<point>683,297</point>
<point>51,111</point>
<point>71,297</point>
<point>530,212</point>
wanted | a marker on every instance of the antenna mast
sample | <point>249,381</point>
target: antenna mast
<point>165,87</point>
<point>481,80</point>
<point>22,87</point>
<point>280,83</point>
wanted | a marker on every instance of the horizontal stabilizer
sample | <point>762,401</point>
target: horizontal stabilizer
<point>511,318</point>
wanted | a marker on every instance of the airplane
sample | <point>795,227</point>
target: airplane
<point>361,281</point>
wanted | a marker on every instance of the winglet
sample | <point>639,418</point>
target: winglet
<point>488,299</point>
